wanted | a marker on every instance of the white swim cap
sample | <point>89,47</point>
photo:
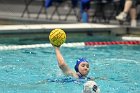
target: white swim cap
<point>91,87</point>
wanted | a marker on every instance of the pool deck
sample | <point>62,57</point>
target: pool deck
<point>70,27</point>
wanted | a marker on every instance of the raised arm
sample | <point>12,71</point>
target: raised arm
<point>62,64</point>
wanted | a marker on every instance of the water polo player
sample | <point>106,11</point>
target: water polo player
<point>81,67</point>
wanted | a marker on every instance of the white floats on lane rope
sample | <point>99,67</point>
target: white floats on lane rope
<point>15,47</point>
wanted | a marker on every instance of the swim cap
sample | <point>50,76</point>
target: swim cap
<point>78,62</point>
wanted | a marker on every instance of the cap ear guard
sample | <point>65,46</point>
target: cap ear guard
<point>76,68</point>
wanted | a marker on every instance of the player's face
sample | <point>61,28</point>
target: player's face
<point>83,68</point>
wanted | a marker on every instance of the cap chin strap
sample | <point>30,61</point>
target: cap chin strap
<point>80,75</point>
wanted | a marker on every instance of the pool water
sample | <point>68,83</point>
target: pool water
<point>115,68</point>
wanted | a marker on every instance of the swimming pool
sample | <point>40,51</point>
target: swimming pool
<point>116,68</point>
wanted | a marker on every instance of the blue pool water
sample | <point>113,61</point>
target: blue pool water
<point>116,69</point>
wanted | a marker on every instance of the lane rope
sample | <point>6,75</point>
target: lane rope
<point>78,44</point>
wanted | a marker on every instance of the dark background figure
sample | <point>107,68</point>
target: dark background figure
<point>84,8</point>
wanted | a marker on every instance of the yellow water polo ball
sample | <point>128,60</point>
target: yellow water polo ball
<point>57,37</point>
